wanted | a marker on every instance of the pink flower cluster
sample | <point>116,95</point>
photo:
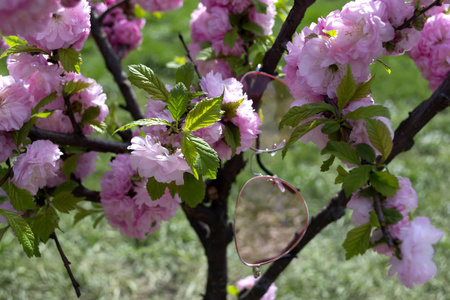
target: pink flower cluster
<point>159,5</point>
<point>39,163</point>
<point>123,31</point>
<point>68,26</point>
<point>126,202</point>
<point>415,237</point>
<point>210,23</point>
<point>248,282</point>
<point>432,53</point>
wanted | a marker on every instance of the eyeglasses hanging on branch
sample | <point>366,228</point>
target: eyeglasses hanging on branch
<point>271,216</point>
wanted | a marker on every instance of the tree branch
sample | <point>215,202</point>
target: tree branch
<point>403,141</point>
<point>113,64</point>
<point>75,140</point>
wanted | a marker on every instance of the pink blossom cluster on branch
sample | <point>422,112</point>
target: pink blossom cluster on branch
<point>415,237</point>
<point>248,282</point>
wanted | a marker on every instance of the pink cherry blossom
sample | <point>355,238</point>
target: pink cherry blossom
<point>70,3</point>
<point>86,165</point>
<point>67,27</point>
<point>199,24</point>
<point>218,65</point>
<point>416,265</point>
<point>6,146</point>
<point>5,205</point>
<point>15,103</point>
<point>267,20</point>
<point>151,159</point>
<point>158,109</point>
<point>361,207</point>
<point>159,5</point>
<point>405,200</point>
<point>249,281</point>
<point>36,165</point>
<point>25,17</point>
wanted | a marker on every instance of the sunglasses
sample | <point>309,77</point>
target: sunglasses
<point>271,216</point>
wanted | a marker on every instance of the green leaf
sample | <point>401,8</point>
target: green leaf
<point>70,165</point>
<point>139,13</point>
<point>260,7</point>
<point>90,114</point>
<point>366,152</point>
<point>392,215</point>
<point>331,127</point>
<point>67,186</point>
<point>374,219</point>
<point>380,137</point>
<point>199,155</point>
<point>370,111</point>
<point>232,289</point>
<point>70,59</point>
<point>20,135</point>
<point>300,131</point>
<point>385,65</point>
<point>362,90</point>
<point>342,173</point>
<point>65,202</point>
<point>192,95</point>
<point>3,199</point>
<point>346,89</point>
<point>253,28</point>
<point>13,40</point>
<point>155,188</point>
<point>22,231</point>
<point>43,114</point>
<point>21,199</point>
<point>19,49</point>
<point>144,122</point>
<point>2,232</point>
<point>330,33</point>
<point>357,241</point>
<point>73,87</point>
<point>232,136</point>
<point>299,113</point>
<point>178,101</point>
<point>327,164</point>
<point>385,183</point>
<point>355,179</point>
<point>173,189</point>
<point>43,102</point>
<point>185,74</point>
<point>342,151</point>
<point>206,54</point>
<point>97,221</point>
<point>44,223</point>
<point>98,126</point>
<point>230,37</point>
<point>367,192</point>
<point>230,109</point>
<point>204,114</point>
<point>192,192</point>
<point>144,78</point>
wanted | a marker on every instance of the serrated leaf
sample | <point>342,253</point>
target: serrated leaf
<point>65,202</point>
<point>97,221</point>
<point>90,113</point>
<point>362,90</point>
<point>230,37</point>
<point>342,173</point>
<point>21,229</point>
<point>370,111</point>
<point>98,126</point>
<point>200,156</point>
<point>44,223</point>
<point>300,131</point>
<point>2,232</point>
<point>192,95</point>
<point>70,59</point>
<point>173,189</point>
<point>327,164</point>
<point>355,179</point>
<point>342,151</point>
<point>178,101</point>
<point>192,192</point>
<point>357,241</point>
<point>260,7</point>
<point>185,74</point>
<point>67,186</point>
<point>13,40</point>
<point>346,89</point>
<point>366,152</point>
<point>253,28</point>
<point>205,54</point>
<point>70,165</point>
<point>144,122</point>
<point>155,188</point>
<point>373,220</point>
<point>43,102</point>
<point>205,113</point>
<point>20,135</point>
<point>230,109</point>
<point>299,113</point>
<point>144,78</point>
<point>73,87</point>
<point>21,49</point>
<point>3,199</point>
<point>21,199</point>
<point>385,183</point>
<point>366,192</point>
<point>380,137</point>
<point>392,215</point>
<point>330,127</point>
<point>232,136</point>
<point>81,214</point>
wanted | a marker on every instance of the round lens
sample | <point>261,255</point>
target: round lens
<point>270,219</point>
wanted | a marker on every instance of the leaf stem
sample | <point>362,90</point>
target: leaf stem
<point>382,220</point>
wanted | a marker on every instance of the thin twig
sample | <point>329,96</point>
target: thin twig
<point>407,23</point>
<point>66,262</point>
<point>76,127</point>
<point>188,54</point>
<point>382,220</point>
<point>112,7</point>
<point>2,181</point>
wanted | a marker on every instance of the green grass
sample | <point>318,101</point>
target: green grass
<point>171,265</point>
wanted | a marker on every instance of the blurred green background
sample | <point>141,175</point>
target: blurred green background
<point>170,264</point>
